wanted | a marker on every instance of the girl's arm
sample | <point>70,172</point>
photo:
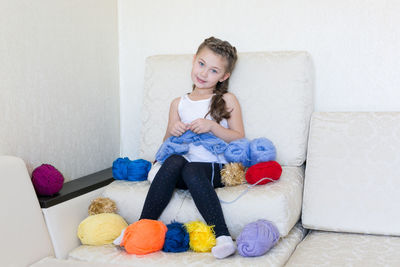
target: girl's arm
<point>235,122</point>
<point>175,126</point>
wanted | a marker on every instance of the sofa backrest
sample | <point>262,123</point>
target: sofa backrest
<point>352,177</point>
<point>23,229</point>
<point>275,91</point>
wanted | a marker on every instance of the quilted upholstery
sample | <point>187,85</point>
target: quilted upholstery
<point>275,91</point>
<point>279,202</point>
<point>352,174</point>
<point>342,249</point>
<point>110,254</point>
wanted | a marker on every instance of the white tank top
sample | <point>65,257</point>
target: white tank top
<point>190,110</point>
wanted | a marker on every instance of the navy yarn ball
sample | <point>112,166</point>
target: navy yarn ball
<point>176,238</point>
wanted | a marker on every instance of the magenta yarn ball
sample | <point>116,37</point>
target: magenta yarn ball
<point>47,180</point>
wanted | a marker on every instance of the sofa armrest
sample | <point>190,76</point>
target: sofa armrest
<point>66,210</point>
<point>78,187</point>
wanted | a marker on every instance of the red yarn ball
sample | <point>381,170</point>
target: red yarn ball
<point>47,180</point>
<point>270,169</point>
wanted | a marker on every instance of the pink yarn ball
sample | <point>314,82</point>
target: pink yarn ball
<point>47,180</point>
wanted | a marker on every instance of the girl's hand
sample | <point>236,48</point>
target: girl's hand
<point>179,128</point>
<point>201,126</point>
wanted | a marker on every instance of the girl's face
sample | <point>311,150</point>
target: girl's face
<point>208,69</point>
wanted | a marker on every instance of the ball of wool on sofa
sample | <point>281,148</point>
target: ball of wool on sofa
<point>257,238</point>
<point>256,173</point>
<point>177,238</point>
<point>262,150</point>
<point>238,151</point>
<point>144,236</point>
<point>131,170</point>
<point>101,229</point>
<point>102,205</point>
<point>47,180</point>
<point>201,236</point>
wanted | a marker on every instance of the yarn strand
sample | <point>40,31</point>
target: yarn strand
<point>245,191</point>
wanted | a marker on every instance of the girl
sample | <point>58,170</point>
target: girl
<point>208,108</point>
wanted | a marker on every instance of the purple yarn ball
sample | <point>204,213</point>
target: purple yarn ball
<point>47,180</point>
<point>257,238</point>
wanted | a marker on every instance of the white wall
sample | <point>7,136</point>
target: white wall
<point>59,83</point>
<point>354,45</point>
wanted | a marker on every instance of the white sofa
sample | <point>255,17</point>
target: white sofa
<point>350,200</point>
<point>276,94</point>
<point>351,193</point>
<point>26,240</point>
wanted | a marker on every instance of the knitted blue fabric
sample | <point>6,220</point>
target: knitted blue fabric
<point>262,150</point>
<point>169,148</point>
<point>239,151</point>
<point>125,169</point>
<point>179,144</point>
<point>176,238</point>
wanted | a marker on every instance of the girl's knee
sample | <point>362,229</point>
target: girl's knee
<point>189,170</point>
<point>192,173</point>
<point>175,160</point>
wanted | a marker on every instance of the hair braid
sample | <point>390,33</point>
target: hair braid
<point>218,109</point>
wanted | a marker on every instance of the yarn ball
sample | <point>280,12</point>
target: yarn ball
<point>144,236</point>
<point>262,150</point>
<point>270,169</point>
<point>47,180</point>
<point>102,205</point>
<point>101,229</point>
<point>126,169</point>
<point>233,174</point>
<point>176,238</point>
<point>238,151</point>
<point>202,237</point>
<point>257,238</point>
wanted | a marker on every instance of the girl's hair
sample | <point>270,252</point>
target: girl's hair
<point>228,52</point>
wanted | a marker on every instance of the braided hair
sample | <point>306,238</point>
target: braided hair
<point>218,109</point>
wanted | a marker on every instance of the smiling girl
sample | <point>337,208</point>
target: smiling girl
<point>208,108</point>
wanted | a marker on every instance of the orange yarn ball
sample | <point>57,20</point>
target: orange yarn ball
<point>144,236</point>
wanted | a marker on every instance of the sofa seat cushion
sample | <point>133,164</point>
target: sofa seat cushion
<point>53,262</point>
<point>277,256</point>
<point>342,249</point>
<point>278,202</point>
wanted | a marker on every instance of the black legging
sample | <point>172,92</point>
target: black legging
<point>177,172</point>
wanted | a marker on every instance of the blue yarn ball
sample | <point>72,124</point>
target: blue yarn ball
<point>262,150</point>
<point>176,238</point>
<point>120,168</point>
<point>125,169</point>
<point>239,151</point>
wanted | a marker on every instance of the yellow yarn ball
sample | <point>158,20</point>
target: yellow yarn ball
<point>101,229</point>
<point>201,236</point>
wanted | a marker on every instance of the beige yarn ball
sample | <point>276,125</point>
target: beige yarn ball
<point>102,205</point>
<point>233,174</point>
